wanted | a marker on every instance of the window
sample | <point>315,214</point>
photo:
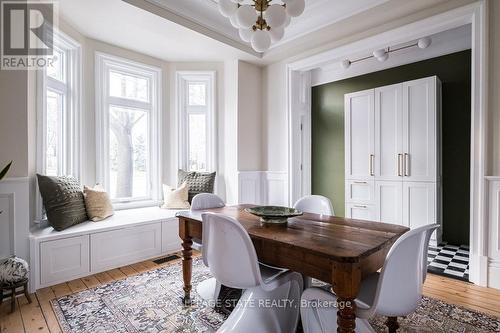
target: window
<point>196,107</point>
<point>128,101</point>
<point>59,111</point>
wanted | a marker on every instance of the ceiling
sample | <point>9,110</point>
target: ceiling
<point>193,30</point>
<point>318,14</point>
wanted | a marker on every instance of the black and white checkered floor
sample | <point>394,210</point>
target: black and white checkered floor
<point>449,260</point>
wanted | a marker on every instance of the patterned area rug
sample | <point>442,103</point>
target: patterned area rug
<point>151,302</point>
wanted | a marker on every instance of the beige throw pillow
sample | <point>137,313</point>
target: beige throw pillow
<point>175,198</point>
<point>97,203</point>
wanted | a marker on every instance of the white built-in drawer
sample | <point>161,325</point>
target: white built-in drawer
<point>360,191</point>
<point>116,248</point>
<point>171,242</point>
<point>360,211</point>
<point>64,259</point>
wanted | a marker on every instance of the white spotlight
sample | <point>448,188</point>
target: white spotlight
<point>424,43</point>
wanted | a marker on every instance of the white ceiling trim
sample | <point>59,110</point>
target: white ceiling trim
<point>193,25</point>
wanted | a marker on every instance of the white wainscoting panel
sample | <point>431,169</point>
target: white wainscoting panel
<point>263,188</point>
<point>250,188</point>
<point>15,217</point>
<point>494,233</point>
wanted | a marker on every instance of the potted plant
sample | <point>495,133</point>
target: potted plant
<point>4,171</point>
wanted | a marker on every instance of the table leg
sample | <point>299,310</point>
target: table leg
<point>187,261</point>
<point>346,281</point>
<point>392,324</point>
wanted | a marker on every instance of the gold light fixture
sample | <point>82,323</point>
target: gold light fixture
<point>261,22</point>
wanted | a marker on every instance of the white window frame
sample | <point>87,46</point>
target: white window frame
<point>183,78</point>
<point>70,155</point>
<point>103,64</point>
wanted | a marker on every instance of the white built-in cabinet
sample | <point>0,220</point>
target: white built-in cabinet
<point>392,154</point>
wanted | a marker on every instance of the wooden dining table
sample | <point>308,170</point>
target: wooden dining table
<point>336,250</point>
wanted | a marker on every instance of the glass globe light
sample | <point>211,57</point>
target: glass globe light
<point>246,16</point>
<point>276,34</point>
<point>234,21</point>
<point>246,34</point>
<point>295,8</point>
<point>227,7</point>
<point>275,15</point>
<point>261,41</point>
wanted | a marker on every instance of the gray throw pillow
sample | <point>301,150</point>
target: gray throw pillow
<point>63,201</point>
<point>198,182</point>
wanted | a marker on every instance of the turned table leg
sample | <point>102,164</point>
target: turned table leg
<point>13,300</point>
<point>346,282</point>
<point>187,261</point>
<point>392,324</point>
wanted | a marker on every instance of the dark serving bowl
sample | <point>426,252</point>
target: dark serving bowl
<point>273,214</point>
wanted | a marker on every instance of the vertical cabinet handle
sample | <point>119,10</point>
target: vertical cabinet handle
<point>371,162</point>
<point>400,156</point>
<point>407,164</point>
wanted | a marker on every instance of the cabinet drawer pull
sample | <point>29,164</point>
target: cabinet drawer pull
<point>400,156</point>
<point>360,182</point>
<point>407,164</point>
<point>360,206</point>
<point>372,158</point>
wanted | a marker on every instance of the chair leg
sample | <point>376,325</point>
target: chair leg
<point>26,293</point>
<point>13,300</point>
<point>392,324</point>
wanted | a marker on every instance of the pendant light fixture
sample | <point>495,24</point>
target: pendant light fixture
<point>261,22</point>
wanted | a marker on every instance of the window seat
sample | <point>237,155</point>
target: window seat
<point>127,237</point>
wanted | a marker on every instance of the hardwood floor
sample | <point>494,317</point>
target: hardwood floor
<point>39,316</point>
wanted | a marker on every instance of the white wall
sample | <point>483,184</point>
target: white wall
<point>249,117</point>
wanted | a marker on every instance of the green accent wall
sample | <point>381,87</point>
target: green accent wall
<point>454,70</point>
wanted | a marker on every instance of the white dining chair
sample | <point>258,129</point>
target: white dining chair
<point>271,297</point>
<point>208,289</point>
<point>395,291</point>
<point>316,204</point>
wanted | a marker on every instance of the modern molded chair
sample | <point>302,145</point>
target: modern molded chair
<point>271,297</point>
<point>395,291</point>
<point>210,288</point>
<point>316,204</point>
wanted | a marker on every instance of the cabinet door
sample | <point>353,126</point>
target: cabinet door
<point>116,248</point>
<point>419,204</point>
<point>360,211</point>
<point>389,196</point>
<point>64,259</point>
<point>388,132</point>
<point>419,130</point>
<point>359,135</point>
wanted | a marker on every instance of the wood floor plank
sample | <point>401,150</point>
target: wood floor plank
<point>150,265</point>
<point>61,289</point>
<point>128,270</point>
<point>32,316</point>
<point>116,274</point>
<point>467,305</point>
<point>452,283</point>
<point>76,285</point>
<point>459,291</point>
<point>104,277</point>
<point>140,267</point>
<point>10,322</point>
<point>44,297</point>
<point>90,281</point>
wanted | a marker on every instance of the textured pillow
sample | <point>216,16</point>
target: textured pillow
<point>175,198</point>
<point>198,182</point>
<point>97,203</point>
<point>63,201</point>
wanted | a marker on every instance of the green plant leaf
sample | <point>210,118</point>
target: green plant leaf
<point>5,170</point>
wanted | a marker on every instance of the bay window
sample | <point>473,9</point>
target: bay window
<point>128,102</point>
